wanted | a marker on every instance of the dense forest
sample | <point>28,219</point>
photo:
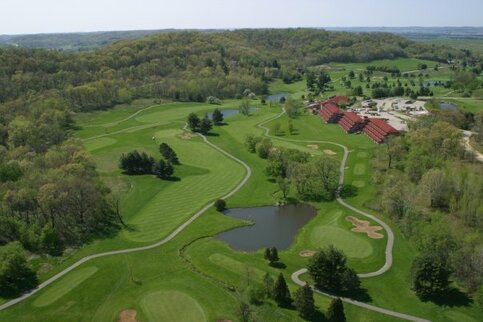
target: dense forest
<point>430,187</point>
<point>190,66</point>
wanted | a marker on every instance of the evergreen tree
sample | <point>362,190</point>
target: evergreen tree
<point>274,255</point>
<point>168,153</point>
<point>335,313</point>
<point>304,301</point>
<point>329,270</point>
<point>217,117</point>
<point>268,284</point>
<point>193,122</point>
<point>205,125</point>
<point>163,169</point>
<point>281,293</point>
<point>266,255</point>
<point>220,205</point>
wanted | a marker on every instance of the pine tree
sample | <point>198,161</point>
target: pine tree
<point>217,117</point>
<point>268,284</point>
<point>304,301</point>
<point>205,125</point>
<point>168,153</point>
<point>193,122</point>
<point>266,255</point>
<point>335,313</point>
<point>274,255</point>
<point>281,293</point>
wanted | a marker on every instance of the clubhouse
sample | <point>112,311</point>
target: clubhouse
<point>375,128</point>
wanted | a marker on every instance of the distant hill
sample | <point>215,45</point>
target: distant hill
<point>422,33</point>
<point>74,41</point>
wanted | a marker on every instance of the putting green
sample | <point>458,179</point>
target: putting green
<point>235,266</point>
<point>64,286</point>
<point>170,305</point>
<point>353,246</point>
<point>360,169</point>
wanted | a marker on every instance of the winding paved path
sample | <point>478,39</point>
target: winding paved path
<point>390,235</point>
<point>295,276</point>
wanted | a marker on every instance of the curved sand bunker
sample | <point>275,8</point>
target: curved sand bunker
<point>329,152</point>
<point>307,253</point>
<point>127,316</point>
<point>313,146</point>
<point>363,226</point>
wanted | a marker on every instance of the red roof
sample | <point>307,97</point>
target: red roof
<point>331,107</point>
<point>352,116</point>
<point>339,99</point>
<point>381,123</point>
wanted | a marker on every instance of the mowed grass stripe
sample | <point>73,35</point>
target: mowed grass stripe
<point>64,286</point>
<point>172,205</point>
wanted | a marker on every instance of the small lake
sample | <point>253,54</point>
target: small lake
<point>273,226</point>
<point>448,106</point>
<point>276,97</point>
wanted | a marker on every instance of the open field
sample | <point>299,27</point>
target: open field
<point>173,281</point>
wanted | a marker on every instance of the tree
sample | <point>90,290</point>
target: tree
<point>284,186</point>
<point>244,312</point>
<point>50,241</point>
<point>251,142</point>
<point>245,106</point>
<point>351,74</point>
<point>205,125</point>
<point>290,126</point>
<point>271,255</point>
<point>193,122</point>
<point>304,301</point>
<point>263,148</point>
<point>276,129</point>
<point>329,270</point>
<point>163,169</point>
<point>217,117</point>
<point>430,275</point>
<point>268,283</point>
<point>292,107</point>
<point>15,275</point>
<point>220,205</point>
<point>168,153</point>
<point>335,313</point>
<point>281,293</point>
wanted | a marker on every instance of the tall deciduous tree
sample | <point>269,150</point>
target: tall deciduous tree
<point>217,117</point>
<point>430,276</point>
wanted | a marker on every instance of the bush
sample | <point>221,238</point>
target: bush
<point>213,100</point>
<point>220,205</point>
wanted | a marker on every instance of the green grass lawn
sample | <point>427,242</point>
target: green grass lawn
<point>159,284</point>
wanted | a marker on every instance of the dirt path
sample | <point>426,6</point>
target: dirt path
<point>466,141</point>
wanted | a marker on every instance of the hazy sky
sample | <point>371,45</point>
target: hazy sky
<point>39,16</point>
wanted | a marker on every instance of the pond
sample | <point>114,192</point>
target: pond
<point>272,226</point>
<point>276,97</point>
<point>448,106</point>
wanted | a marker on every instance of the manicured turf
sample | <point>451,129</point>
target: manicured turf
<point>171,306</point>
<point>65,286</point>
<point>352,245</point>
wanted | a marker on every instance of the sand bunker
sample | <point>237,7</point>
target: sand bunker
<point>363,226</point>
<point>127,316</point>
<point>329,152</point>
<point>307,253</point>
<point>187,136</point>
<point>313,146</point>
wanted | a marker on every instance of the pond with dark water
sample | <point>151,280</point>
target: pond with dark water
<point>448,106</point>
<point>272,226</point>
<point>230,112</point>
<point>276,97</point>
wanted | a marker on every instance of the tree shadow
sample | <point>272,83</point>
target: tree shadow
<point>211,134</point>
<point>452,297</point>
<point>360,295</point>
<point>172,179</point>
<point>318,317</point>
<point>278,265</point>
